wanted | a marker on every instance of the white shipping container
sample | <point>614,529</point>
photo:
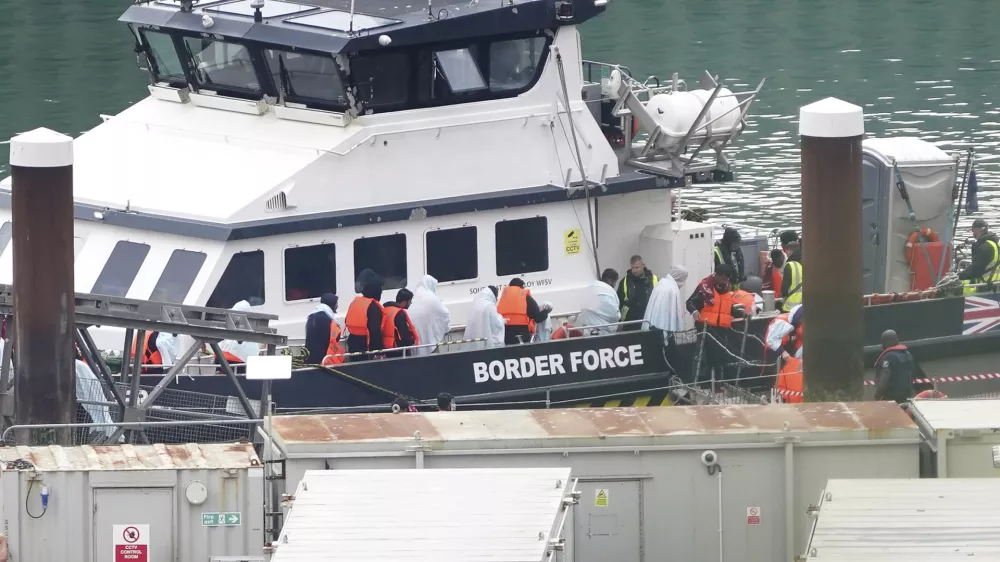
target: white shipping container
<point>648,489</point>
<point>140,498</point>
<point>960,436</point>
<point>906,520</point>
<point>443,515</point>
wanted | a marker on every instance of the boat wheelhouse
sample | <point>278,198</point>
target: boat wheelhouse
<point>285,147</point>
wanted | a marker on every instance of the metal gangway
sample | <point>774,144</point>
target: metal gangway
<point>137,408</point>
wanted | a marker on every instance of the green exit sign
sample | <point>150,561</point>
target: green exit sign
<point>221,519</point>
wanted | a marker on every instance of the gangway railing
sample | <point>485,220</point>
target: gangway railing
<point>207,326</point>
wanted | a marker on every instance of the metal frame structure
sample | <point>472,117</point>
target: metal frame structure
<point>207,326</point>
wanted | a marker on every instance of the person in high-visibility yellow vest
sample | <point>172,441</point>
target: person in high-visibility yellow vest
<point>727,251</point>
<point>791,278</point>
<point>985,258</point>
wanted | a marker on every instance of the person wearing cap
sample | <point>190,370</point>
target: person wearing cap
<point>985,257</point>
<point>897,371</point>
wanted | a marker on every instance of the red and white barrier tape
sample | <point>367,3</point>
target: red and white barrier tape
<point>960,378</point>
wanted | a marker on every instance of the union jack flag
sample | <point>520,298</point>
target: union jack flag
<point>982,314</point>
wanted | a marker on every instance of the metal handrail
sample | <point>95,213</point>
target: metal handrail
<point>124,425</point>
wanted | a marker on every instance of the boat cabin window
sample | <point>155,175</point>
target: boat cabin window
<point>6,231</point>
<point>162,53</point>
<point>243,279</point>
<point>382,80</point>
<point>312,80</point>
<point>223,66</point>
<point>453,254</point>
<point>178,276</point>
<point>514,63</point>
<point>310,271</point>
<point>385,255</point>
<point>458,66</point>
<point>121,268</point>
<point>522,246</point>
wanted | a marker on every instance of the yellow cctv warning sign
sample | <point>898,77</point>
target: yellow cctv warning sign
<point>571,240</point>
<point>601,498</point>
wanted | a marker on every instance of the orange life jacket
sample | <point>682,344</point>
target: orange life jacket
<point>513,306</point>
<point>772,279</point>
<point>566,331</point>
<point>789,383</point>
<point>334,351</point>
<point>357,315</point>
<point>746,299</point>
<point>390,335</point>
<point>720,312</point>
<point>150,354</point>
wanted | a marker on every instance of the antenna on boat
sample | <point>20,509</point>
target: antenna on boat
<point>350,24</point>
<point>257,5</point>
<point>430,9</point>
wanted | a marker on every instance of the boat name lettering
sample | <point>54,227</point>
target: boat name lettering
<point>558,364</point>
<point>502,286</point>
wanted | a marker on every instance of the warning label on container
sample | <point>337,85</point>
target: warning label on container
<point>131,543</point>
<point>753,516</point>
<point>601,497</point>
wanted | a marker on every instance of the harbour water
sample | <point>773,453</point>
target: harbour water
<point>919,67</point>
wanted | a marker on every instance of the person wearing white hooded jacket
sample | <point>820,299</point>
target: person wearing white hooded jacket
<point>240,350</point>
<point>601,305</point>
<point>484,321</point>
<point>665,310</point>
<point>429,315</point>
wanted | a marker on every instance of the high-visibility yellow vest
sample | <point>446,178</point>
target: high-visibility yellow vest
<point>718,256</point>
<point>624,302</point>
<point>992,273</point>
<point>794,295</point>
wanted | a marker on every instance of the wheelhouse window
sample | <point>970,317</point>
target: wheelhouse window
<point>310,271</point>
<point>514,63</point>
<point>522,246</point>
<point>224,66</point>
<point>178,276</point>
<point>382,80</point>
<point>312,80</point>
<point>459,68</point>
<point>453,254</point>
<point>385,255</point>
<point>243,279</point>
<point>121,268</point>
<point>162,53</point>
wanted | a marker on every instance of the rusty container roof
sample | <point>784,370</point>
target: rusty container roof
<point>132,457</point>
<point>585,427</point>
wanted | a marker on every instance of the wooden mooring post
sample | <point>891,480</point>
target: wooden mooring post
<point>831,131</point>
<point>42,214</point>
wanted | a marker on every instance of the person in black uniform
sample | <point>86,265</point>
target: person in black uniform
<point>985,255</point>
<point>896,370</point>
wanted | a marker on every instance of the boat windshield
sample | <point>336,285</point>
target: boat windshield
<point>221,65</point>
<point>313,80</point>
<point>166,65</point>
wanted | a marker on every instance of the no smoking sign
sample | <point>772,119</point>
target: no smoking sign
<point>753,516</point>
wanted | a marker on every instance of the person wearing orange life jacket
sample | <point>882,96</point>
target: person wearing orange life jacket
<point>323,334</point>
<point>896,371</point>
<point>520,312</point>
<point>711,303</point>
<point>772,272</point>
<point>397,328</point>
<point>365,316</point>
<point>163,351</point>
<point>784,335</point>
<point>236,352</point>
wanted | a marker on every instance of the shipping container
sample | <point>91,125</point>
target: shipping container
<point>132,503</point>
<point>444,515</point>
<point>681,483</point>
<point>905,520</point>
<point>959,436</point>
